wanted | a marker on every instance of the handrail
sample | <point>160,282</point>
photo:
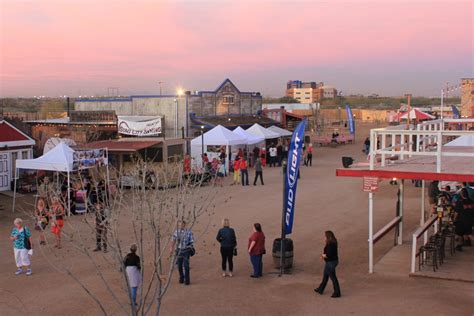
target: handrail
<point>416,235</point>
<point>384,230</point>
<point>425,227</point>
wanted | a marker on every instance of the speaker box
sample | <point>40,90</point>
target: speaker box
<point>347,161</point>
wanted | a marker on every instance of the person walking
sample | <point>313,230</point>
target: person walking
<point>258,171</point>
<point>236,170</point>
<point>309,155</point>
<point>183,245</point>
<point>256,154</point>
<point>367,146</point>
<point>21,237</point>
<point>132,265</point>
<point>226,237</point>
<point>331,261</point>
<point>256,249</point>
<point>244,172</point>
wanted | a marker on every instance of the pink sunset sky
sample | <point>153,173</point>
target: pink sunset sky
<point>389,47</point>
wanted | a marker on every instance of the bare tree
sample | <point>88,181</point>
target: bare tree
<point>147,214</point>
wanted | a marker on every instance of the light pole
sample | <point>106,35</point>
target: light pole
<point>202,146</point>
<point>160,82</point>
<point>176,118</point>
<point>180,93</point>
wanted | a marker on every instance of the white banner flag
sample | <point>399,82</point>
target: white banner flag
<point>136,126</point>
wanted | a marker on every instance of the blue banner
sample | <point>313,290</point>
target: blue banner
<point>456,113</point>
<point>350,118</point>
<point>291,178</point>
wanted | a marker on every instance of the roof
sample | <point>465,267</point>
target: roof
<point>66,121</point>
<point>233,121</point>
<point>11,136</point>
<point>123,145</point>
<point>454,168</point>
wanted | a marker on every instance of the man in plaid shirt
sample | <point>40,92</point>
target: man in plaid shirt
<point>183,241</point>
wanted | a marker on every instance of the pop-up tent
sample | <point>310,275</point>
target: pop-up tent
<point>462,141</point>
<point>280,131</point>
<point>416,114</point>
<point>54,141</point>
<point>259,130</point>
<point>218,136</point>
<point>59,159</point>
<point>251,138</point>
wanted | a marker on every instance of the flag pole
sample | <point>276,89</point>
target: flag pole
<point>283,212</point>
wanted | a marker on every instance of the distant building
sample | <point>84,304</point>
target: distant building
<point>467,97</point>
<point>185,114</point>
<point>14,144</point>
<point>309,92</point>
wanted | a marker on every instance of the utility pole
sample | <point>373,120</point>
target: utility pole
<point>160,83</point>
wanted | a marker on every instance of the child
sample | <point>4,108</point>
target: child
<point>132,268</point>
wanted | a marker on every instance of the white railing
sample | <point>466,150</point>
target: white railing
<point>399,142</point>
<point>433,221</point>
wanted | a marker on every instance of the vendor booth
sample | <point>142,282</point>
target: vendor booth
<point>62,158</point>
<point>251,138</point>
<point>211,143</point>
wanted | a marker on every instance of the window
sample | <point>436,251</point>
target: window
<point>306,93</point>
<point>307,98</point>
<point>14,158</point>
<point>298,92</point>
<point>24,155</point>
<point>228,99</point>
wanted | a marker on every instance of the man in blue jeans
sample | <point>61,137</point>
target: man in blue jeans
<point>183,241</point>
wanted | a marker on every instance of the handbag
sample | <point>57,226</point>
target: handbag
<point>192,251</point>
<point>235,251</point>
<point>26,240</point>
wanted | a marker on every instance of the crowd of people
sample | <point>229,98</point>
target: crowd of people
<point>242,160</point>
<point>457,206</point>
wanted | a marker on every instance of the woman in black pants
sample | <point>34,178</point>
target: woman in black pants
<point>226,237</point>
<point>330,257</point>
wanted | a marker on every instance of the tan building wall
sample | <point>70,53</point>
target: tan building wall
<point>467,97</point>
<point>144,106</point>
<point>303,95</point>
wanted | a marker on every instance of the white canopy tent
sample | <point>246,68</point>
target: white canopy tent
<point>259,130</point>
<point>281,131</point>
<point>251,138</point>
<point>54,141</point>
<point>59,159</point>
<point>218,136</point>
<point>462,141</point>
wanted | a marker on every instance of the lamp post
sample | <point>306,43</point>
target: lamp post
<point>176,118</point>
<point>180,93</point>
<point>202,145</point>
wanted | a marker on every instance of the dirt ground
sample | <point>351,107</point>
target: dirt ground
<point>324,202</point>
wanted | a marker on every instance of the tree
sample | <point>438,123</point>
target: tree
<point>147,214</point>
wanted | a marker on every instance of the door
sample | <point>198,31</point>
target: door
<point>4,172</point>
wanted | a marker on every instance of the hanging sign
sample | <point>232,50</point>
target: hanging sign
<point>139,126</point>
<point>370,184</point>
<point>83,159</point>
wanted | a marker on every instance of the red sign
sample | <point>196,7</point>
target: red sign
<point>371,184</point>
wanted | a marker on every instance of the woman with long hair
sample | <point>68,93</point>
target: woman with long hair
<point>226,237</point>
<point>56,215</point>
<point>256,249</point>
<point>42,219</point>
<point>331,261</point>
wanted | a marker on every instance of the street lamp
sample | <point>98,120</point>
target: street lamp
<point>176,118</point>
<point>202,145</point>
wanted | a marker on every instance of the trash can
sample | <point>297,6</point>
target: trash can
<point>287,253</point>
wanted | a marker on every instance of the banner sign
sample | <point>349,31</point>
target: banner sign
<point>83,159</point>
<point>144,127</point>
<point>350,118</point>
<point>291,177</point>
<point>456,113</point>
